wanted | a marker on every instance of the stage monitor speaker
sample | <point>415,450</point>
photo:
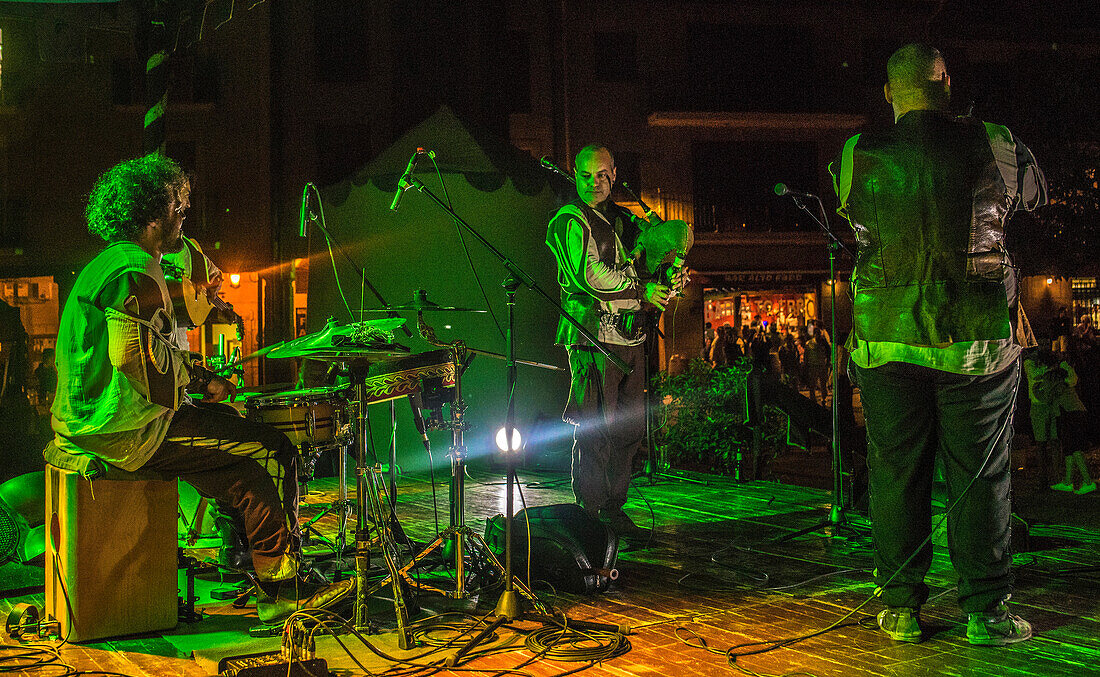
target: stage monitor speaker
<point>570,549</point>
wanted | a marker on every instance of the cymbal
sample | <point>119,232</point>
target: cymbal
<point>367,339</point>
<point>380,352</point>
<point>420,307</point>
<point>420,304</point>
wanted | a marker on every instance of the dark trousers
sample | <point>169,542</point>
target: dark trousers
<point>914,413</point>
<point>246,466</point>
<point>607,409</point>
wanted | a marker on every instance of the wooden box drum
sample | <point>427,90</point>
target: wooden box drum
<point>309,416</point>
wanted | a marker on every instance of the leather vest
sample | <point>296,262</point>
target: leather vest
<point>928,200</point>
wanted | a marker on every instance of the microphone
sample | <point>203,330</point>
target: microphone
<point>781,189</point>
<point>416,403</point>
<point>303,211</point>
<point>403,184</point>
<point>547,164</point>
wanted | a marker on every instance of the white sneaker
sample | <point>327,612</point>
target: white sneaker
<point>1086,488</point>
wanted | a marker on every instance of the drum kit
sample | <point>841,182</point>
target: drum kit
<point>334,419</point>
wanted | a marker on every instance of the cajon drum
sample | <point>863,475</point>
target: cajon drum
<point>112,545</point>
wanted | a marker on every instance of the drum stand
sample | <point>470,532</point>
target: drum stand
<point>342,506</point>
<point>458,532</point>
<point>369,504</point>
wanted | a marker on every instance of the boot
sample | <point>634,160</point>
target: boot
<point>234,551</point>
<point>278,599</point>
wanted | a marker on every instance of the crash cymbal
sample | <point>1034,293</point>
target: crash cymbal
<point>367,339</point>
<point>420,304</point>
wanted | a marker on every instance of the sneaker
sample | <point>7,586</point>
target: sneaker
<point>997,627</point>
<point>901,623</point>
<point>1086,488</point>
<point>279,599</point>
<point>1062,486</point>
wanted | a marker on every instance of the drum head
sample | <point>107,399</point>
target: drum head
<point>296,398</point>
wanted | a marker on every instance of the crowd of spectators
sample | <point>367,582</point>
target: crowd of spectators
<point>799,356</point>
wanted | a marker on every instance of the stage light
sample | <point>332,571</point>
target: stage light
<point>1050,280</point>
<point>502,436</point>
<point>234,280</point>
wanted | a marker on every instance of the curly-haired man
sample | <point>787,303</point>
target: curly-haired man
<point>122,382</point>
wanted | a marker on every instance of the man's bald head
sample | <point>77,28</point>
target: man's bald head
<point>594,170</point>
<point>916,78</point>
<point>592,149</point>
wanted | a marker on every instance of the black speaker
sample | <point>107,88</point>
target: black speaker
<point>13,533</point>
<point>569,548</point>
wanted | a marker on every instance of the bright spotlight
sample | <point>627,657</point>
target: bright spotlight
<point>234,279</point>
<point>502,437</point>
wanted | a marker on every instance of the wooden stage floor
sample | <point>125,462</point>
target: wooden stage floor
<point>712,574</point>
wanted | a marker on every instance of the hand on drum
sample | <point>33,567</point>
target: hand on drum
<point>219,390</point>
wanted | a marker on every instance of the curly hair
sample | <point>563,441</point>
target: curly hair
<point>131,194</point>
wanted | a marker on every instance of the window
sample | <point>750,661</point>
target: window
<point>124,82</point>
<point>750,68</point>
<point>733,184</point>
<point>341,40</point>
<point>616,56</point>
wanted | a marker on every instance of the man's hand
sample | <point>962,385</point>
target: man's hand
<point>214,284</point>
<point>657,294</point>
<point>679,281</point>
<point>218,390</point>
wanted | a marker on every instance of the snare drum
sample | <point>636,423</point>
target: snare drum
<point>309,416</point>
<point>391,379</point>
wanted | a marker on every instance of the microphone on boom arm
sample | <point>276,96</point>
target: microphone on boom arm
<point>404,184</point>
<point>781,189</point>
<point>547,163</point>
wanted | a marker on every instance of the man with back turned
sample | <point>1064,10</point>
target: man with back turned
<point>937,339</point>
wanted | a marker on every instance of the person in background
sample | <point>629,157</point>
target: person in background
<point>708,335</point>
<point>1038,367</point>
<point>1061,327</point>
<point>816,357</point>
<point>1072,422</point>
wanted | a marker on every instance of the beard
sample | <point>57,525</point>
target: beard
<point>175,245</point>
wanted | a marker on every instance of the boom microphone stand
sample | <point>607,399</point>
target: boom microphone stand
<point>836,519</point>
<point>509,608</point>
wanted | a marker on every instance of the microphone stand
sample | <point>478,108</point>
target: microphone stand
<point>521,275</point>
<point>836,518</point>
<point>509,607</point>
<point>362,270</point>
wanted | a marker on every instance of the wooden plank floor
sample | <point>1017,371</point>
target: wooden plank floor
<point>713,573</point>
